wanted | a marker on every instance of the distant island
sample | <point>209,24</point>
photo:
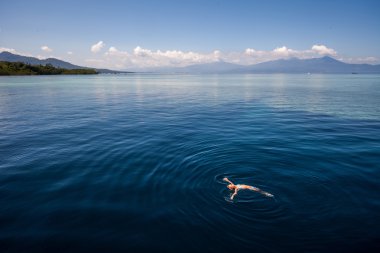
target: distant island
<point>24,69</point>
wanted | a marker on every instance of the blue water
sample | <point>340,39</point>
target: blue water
<point>134,163</point>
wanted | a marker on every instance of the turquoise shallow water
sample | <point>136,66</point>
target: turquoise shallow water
<point>135,163</point>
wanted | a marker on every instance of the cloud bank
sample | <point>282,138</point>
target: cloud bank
<point>141,57</point>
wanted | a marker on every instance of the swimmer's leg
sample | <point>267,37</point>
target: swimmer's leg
<point>267,194</point>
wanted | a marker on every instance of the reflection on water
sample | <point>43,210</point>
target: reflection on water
<point>135,163</point>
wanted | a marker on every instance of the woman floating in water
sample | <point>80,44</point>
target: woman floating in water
<point>237,187</point>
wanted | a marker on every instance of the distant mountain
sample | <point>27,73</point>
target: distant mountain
<point>9,57</point>
<point>213,67</point>
<point>325,64</point>
<point>314,65</point>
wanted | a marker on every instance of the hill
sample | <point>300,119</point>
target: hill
<point>20,68</point>
<point>9,57</point>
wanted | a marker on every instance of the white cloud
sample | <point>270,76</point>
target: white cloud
<point>283,51</point>
<point>217,55</point>
<point>69,52</point>
<point>250,51</point>
<point>14,51</point>
<point>97,47</point>
<point>138,51</point>
<point>43,57</point>
<point>280,50</point>
<point>46,49</point>
<point>10,50</point>
<point>148,58</point>
<point>142,57</point>
<point>252,56</point>
<point>112,50</point>
<point>323,50</point>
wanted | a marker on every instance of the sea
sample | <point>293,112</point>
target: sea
<point>135,163</point>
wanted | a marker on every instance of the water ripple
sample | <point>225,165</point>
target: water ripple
<point>136,163</point>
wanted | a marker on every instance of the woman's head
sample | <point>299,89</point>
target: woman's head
<point>231,186</point>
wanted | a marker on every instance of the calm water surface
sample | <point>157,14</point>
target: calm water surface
<point>134,163</point>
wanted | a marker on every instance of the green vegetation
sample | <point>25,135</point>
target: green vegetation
<point>20,69</point>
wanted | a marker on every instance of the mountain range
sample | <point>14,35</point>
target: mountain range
<point>323,65</point>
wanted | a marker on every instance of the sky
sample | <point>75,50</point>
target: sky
<point>139,33</point>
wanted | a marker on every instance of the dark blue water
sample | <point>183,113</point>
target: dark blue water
<point>135,163</point>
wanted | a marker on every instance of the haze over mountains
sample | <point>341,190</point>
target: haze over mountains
<point>325,64</point>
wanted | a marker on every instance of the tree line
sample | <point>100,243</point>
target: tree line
<point>20,68</point>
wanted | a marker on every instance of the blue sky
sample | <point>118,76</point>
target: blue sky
<point>166,32</point>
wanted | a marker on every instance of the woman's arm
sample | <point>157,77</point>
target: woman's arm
<point>226,179</point>
<point>235,192</point>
